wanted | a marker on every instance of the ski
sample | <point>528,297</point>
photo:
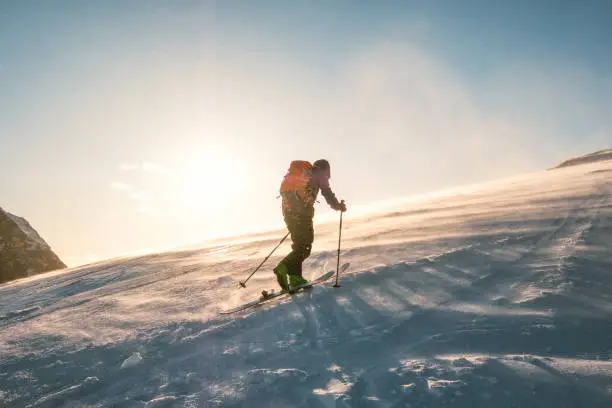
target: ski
<point>274,295</point>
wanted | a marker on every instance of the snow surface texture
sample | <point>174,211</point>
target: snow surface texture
<point>498,296</point>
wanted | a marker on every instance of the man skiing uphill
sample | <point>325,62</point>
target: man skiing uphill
<point>299,191</point>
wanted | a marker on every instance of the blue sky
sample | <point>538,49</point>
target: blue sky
<point>139,125</point>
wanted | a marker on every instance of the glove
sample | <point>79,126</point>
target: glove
<point>341,206</point>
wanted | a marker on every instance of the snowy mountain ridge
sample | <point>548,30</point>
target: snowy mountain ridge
<point>600,155</point>
<point>499,296</point>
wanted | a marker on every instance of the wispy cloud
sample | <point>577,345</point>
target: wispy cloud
<point>144,199</point>
<point>145,166</point>
<point>120,186</point>
<point>150,167</point>
<point>140,195</point>
<point>128,166</point>
<point>146,204</point>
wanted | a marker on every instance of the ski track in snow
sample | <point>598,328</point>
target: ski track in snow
<point>496,297</point>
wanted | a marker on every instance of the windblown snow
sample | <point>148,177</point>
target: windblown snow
<point>494,296</point>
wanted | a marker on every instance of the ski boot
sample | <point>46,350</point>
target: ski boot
<point>296,280</point>
<point>282,276</point>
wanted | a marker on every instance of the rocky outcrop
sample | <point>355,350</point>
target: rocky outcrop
<point>22,251</point>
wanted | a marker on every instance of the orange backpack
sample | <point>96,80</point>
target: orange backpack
<point>297,178</point>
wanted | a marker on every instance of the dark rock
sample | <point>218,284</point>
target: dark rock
<point>22,251</point>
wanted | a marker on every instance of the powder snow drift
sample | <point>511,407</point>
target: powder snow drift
<point>496,295</point>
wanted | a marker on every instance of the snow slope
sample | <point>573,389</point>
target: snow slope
<point>600,155</point>
<point>496,296</point>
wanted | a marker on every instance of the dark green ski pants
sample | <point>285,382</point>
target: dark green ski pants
<point>302,234</point>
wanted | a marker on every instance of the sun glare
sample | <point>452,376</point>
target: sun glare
<point>209,179</point>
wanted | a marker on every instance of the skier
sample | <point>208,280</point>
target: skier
<point>299,191</point>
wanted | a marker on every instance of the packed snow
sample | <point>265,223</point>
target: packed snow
<point>496,295</point>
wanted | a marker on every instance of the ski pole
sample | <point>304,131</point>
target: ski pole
<point>336,285</point>
<point>243,283</point>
